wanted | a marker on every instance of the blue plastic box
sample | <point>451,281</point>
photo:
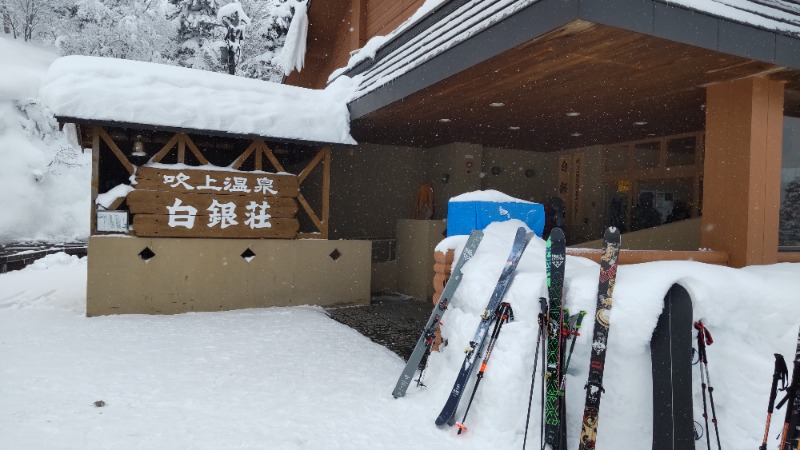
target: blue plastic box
<point>463,217</point>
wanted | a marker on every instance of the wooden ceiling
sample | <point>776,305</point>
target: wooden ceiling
<point>613,78</point>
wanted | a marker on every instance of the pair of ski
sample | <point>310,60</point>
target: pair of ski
<point>790,433</point>
<point>558,330</point>
<point>496,313</point>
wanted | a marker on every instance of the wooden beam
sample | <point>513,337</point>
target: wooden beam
<point>246,154</point>
<point>272,159</point>
<point>310,166</point>
<point>195,151</point>
<point>326,191</point>
<point>358,24</point>
<point>113,146</point>
<point>164,150</point>
<point>311,214</point>
<point>259,160</point>
<point>181,148</point>
<point>95,177</point>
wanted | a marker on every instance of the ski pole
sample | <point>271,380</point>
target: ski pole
<point>542,313</point>
<point>502,315</point>
<point>703,339</point>
<point>574,332</point>
<point>792,404</point>
<point>781,373</point>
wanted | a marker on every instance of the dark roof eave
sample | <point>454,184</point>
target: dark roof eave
<point>653,17</point>
<point>211,133</point>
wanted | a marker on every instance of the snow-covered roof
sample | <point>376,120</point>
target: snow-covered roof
<point>440,25</point>
<point>133,92</point>
<point>778,15</point>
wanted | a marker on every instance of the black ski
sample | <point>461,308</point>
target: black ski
<point>473,352</point>
<point>556,257</point>
<point>605,291</point>
<point>425,342</point>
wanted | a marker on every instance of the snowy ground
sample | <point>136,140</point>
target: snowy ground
<point>293,378</point>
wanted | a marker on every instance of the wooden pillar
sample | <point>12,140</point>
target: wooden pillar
<point>358,24</point>
<point>95,179</point>
<point>741,177</point>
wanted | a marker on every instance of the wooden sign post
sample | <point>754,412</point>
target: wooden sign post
<point>198,202</point>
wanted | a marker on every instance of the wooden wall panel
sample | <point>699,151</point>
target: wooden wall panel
<point>383,16</point>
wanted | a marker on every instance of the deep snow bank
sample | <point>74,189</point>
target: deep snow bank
<point>44,179</point>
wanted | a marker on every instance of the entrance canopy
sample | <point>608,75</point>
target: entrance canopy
<point>553,74</point>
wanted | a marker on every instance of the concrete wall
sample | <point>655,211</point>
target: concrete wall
<point>452,160</point>
<point>372,186</point>
<point>210,275</point>
<point>416,240</point>
<point>512,180</point>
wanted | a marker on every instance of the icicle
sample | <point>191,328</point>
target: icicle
<point>294,49</point>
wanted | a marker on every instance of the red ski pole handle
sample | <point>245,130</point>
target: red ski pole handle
<point>703,334</point>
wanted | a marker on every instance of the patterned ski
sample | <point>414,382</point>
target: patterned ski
<point>556,257</point>
<point>473,352</point>
<point>425,341</point>
<point>594,386</point>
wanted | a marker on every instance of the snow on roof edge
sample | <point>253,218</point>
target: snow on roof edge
<point>116,90</point>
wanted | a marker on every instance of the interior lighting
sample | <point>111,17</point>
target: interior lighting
<point>445,120</point>
<point>576,134</point>
<point>640,123</point>
<point>513,128</point>
<point>573,114</point>
<point>497,105</point>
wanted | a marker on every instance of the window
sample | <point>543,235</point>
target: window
<point>647,154</point>
<point>681,151</point>
<point>789,231</point>
<point>617,158</point>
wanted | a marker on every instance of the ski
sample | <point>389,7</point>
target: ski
<point>425,341</point>
<point>790,433</point>
<point>556,256</point>
<point>473,352</point>
<point>594,385</point>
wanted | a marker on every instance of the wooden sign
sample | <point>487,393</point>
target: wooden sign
<point>189,202</point>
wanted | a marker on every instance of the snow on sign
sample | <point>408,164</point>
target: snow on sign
<point>197,202</point>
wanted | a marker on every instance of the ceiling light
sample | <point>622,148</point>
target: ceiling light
<point>513,128</point>
<point>444,120</point>
<point>497,105</point>
<point>640,123</point>
<point>576,134</point>
<point>573,114</point>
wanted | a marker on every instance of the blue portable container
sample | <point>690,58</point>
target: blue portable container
<point>465,216</point>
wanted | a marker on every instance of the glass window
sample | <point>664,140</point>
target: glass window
<point>789,231</point>
<point>647,154</point>
<point>681,151</point>
<point>617,158</point>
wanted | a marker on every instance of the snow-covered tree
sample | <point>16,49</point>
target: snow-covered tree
<point>199,33</point>
<point>266,36</point>
<point>137,29</point>
<point>24,18</point>
<point>789,232</point>
<point>235,21</point>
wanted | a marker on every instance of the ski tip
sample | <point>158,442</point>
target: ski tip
<point>557,234</point>
<point>612,233</point>
<point>441,421</point>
